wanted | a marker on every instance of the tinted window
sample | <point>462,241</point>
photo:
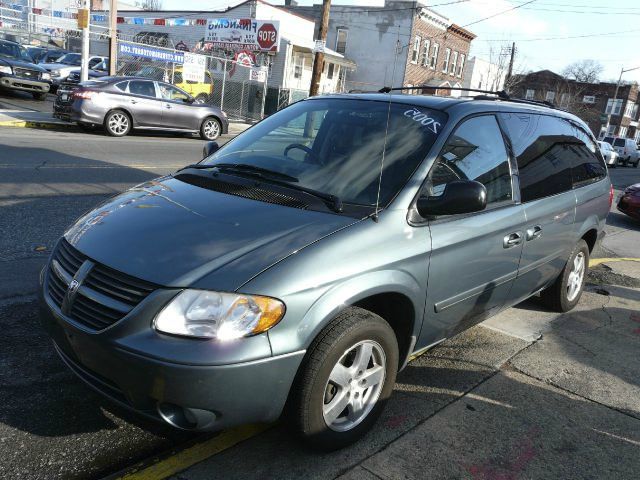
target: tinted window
<point>138,87</point>
<point>94,62</point>
<point>619,142</point>
<point>122,86</point>
<point>475,151</point>
<point>539,143</point>
<point>586,163</point>
<point>608,140</point>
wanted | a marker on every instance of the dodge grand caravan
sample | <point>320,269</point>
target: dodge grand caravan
<point>297,268</point>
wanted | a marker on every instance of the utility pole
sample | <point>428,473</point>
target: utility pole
<point>615,97</point>
<point>510,70</point>
<point>83,22</point>
<point>318,62</point>
<point>113,36</point>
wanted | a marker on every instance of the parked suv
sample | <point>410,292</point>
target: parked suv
<point>307,260</point>
<point>18,72</point>
<point>626,148</point>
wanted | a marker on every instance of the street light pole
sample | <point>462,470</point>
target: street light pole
<point>113,36</point>
<point>84,66</point>
<point>615,97</point>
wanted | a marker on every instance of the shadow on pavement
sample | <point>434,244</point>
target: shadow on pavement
<point>621,220</point>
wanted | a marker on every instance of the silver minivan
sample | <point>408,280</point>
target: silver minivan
<point>299,267</point>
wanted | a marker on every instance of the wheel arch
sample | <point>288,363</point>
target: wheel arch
<point>124,110</point>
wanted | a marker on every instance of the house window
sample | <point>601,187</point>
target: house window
<point>564,100</point>
<point>589,99</point>
<point>480,82</point>
<point>461,66</point>
<point>434,56</point>
<point>530,94</point>
<point>614,109</point>
<point>424,59</point>
<point>628,110</point>
<point>611,130</point>
<point>330,71</point>
<point>637,136</point>
<point>447,56</point>
<point>416,50</point>
<point>298,65</point>
<point>454,64</point>
<point>622,132</point>
<point>341,40</point>
<point>550,96</point>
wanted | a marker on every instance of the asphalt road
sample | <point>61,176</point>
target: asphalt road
<point>51,425</point>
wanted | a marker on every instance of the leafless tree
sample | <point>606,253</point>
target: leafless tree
<point>583,71</point>
<point>150,5</point>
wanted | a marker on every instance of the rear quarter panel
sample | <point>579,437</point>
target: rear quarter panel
<point>592,207</point>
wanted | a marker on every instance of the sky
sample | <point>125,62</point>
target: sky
<point>549,34</point>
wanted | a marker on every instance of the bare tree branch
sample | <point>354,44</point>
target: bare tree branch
<point>583,71</point>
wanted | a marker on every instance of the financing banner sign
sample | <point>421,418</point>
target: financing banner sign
<point>243,34</point>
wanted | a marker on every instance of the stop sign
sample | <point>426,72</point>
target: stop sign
<point>267,36</point>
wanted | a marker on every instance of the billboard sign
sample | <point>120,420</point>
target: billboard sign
<point>150,52</point>
<point>243,34</point>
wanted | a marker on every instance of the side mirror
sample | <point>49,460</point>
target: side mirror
<point>189,100</point>
<point>459,196</point>
<point>209,149</point>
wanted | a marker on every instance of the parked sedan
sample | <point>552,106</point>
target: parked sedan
<point>122,103</point>
<point>629,202</point>
<point>609,154</point>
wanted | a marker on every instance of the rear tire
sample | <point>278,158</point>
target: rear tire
<point>343,385</point>
<point>210,129</point>
<point>117,123</point>
<point>565,292</point>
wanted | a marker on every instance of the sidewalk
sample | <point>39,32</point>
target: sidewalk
<point>557,398</point>
<point>33,119</point>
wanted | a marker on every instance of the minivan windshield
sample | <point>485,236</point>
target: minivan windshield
<point>74,59</point>
<point>335,146</point>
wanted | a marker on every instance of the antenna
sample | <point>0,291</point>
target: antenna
<point>386,131</point>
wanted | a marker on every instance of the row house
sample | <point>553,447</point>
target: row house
<point>402,43</point>
<point>592,102</point>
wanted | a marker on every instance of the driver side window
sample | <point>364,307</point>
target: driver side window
<point>475,151</point>
<point>169,92</point>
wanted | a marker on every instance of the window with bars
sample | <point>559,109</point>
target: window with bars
<point>461,65</point>
<point>424,59</point>
<point>434,55</point>
<point>447,56</point>
<point>415,53</point>
<point>454,64</point>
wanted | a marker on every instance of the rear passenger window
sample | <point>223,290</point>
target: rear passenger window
<point>586,164</point>
<point>540,145</point>
<point>475,151</point>
<point>122,86</point>
<point>141,87</point>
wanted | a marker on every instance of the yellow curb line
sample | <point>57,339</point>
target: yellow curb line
<point>597,261</point>
<point>32,124</point>
<point>184,459</point>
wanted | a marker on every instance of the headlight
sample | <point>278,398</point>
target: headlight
<point>46,76</point>
<point>55,73</point>
<point>6,69</point>
<point>225,316</point>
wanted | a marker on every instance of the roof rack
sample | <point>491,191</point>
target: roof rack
<point>498,95</point>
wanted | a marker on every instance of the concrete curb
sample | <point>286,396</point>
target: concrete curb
<point>37,124</point>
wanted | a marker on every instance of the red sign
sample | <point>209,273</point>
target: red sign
<point>267,36</point>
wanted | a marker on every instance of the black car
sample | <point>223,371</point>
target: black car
<point>18,72</point>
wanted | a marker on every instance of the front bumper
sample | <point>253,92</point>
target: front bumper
<point>187,394</point>
<point>23,84</point>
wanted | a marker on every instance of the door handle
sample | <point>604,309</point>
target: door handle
<point>134,101</point>
<point>534,232</point>
<point>168,106</point>
<point>512,240</point>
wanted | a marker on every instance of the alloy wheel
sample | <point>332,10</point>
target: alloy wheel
<point>354,385</point>
<point>576,276</point>
<point>211,129</point>
<point>118,123</point>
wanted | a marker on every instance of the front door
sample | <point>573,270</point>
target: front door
<point>177,111</point>
<point>474,257</point>
<point>144,104</point>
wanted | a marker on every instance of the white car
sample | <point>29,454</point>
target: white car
<point>66,65</point>
<point>626,148</point>
<point>609,154</point>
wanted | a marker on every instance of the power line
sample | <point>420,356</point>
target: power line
<point>570,37</point>
<point>500,13</point>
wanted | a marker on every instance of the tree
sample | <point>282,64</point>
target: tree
<point>151,5</point>
<point>583,71</point>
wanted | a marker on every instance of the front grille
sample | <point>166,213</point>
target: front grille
<point>26,73</point>
<point>104,296</point>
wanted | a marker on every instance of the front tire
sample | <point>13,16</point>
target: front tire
<point>346,380</point>
<point>117,123</point>
<point>565,292</point>
<point>210,128</point>
<point>39,96</point>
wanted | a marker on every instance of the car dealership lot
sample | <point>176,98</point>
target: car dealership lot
<point>486,404</point>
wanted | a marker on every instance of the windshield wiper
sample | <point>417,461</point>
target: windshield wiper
<point>268,175</point>
<point>244,168</point>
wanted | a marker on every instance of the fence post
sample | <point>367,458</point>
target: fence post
<point>264,97</point>
<point>224,80</point>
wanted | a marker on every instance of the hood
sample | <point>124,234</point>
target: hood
<point>21,64</point>
<point>172,233</point>
<point>635,188</point>
<point>58,66</point>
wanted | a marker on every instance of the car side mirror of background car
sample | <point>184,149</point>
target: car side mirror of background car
<point>209,149</point>
<point>189,100</point>
<point>459,196</point>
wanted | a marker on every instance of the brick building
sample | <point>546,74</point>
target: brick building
<point>593,102</point>
<point>402,43</point>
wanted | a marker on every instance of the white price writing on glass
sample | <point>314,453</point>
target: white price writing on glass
<point>423,119</point>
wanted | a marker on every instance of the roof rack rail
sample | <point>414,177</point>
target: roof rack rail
<point>498,94</point>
